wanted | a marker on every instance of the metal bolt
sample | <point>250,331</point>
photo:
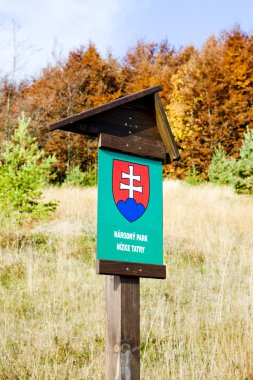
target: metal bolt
<point>116,348</point>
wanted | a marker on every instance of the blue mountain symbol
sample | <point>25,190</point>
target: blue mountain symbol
<point>130,209</point>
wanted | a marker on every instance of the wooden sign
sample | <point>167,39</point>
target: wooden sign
<point>130,227</point>
<point>134,141</point>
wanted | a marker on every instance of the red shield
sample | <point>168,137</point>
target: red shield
<point>131,189</point>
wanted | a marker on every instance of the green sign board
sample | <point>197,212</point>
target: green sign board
<point>130,226</point>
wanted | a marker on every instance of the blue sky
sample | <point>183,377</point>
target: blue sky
<point>49,29</point>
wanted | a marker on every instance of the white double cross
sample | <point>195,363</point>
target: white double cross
<point>131,188</point>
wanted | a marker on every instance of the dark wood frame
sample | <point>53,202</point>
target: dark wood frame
<point>121,268</point>
<point>151,138</point>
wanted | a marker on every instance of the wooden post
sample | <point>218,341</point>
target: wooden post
<point>122,328</point>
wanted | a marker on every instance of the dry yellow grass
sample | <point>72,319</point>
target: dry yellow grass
<point>77,208</point>
<point>197,324</point>
<point>204,308</point>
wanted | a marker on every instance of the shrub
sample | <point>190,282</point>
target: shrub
<point>244,167</point>
<point>24,171</point>
<point>221,170</point>
<point>76,177</point>
<point>238,173</point>
<point>193,178</point>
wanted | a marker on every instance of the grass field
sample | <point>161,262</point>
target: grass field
<point>196,324</point>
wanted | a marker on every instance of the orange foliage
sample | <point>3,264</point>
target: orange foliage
<point>84,81</point>
<point>151,64</point>
<point>211,100</point>
<point>207,93</point>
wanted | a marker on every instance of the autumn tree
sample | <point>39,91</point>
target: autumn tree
<point>238,79</point>
<point>211,100</point>
<point>149,64</point>
<point>83,81</point>
<point>8,95</point>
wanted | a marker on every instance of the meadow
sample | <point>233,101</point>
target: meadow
<point>196,324</point>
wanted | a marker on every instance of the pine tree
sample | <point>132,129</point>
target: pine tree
<point>244,168</point>
<point>24,171</point>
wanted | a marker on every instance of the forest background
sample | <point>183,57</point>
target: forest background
<point>207,94</point>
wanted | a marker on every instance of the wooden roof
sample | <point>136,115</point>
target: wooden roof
<point>134,124</point>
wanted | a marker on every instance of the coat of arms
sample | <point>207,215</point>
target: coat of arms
<point>130,185</point>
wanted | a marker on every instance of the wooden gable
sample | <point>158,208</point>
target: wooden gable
<point>134,124</point>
